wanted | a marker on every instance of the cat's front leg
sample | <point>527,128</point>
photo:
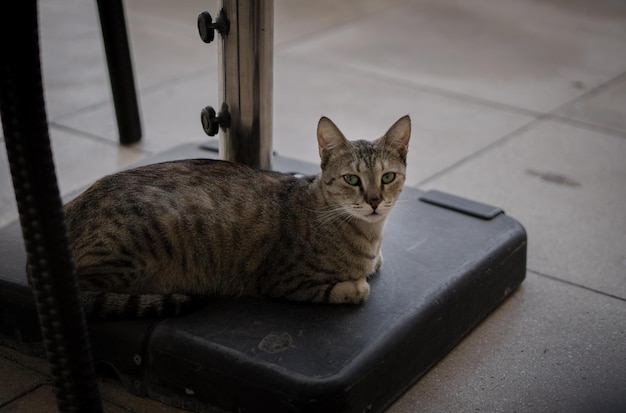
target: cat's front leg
<point>354,292</point>
<point>379,261</point>
<point>377,265</point>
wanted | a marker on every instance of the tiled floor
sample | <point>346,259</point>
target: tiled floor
<point>516,103</point>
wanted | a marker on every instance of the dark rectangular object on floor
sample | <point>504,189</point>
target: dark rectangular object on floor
<point>447,264</point>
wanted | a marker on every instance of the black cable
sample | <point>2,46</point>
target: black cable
<point>41,212</point>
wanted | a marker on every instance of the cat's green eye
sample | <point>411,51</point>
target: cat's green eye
<point>352,179</point>
<point>388,177</point>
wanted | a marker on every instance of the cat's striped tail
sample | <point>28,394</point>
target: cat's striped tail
<point>107,305</point>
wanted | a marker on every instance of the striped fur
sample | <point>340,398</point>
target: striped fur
<point>151,240</point>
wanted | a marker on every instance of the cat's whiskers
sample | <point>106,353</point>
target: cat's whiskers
<point>344,219</point>
<point>332,214</point>
<point>339,218</point>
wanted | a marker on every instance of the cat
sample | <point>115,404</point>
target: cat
<point>153,240</point>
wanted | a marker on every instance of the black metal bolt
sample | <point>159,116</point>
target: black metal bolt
<point>207,27</point>
<point>211,122</point>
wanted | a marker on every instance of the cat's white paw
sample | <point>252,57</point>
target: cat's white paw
<point>354,292</point>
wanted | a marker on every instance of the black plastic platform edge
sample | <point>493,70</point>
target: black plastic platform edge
<point>496,281</point>
<point>402,374</point>
<point>19,323</point>
<point>121,345</point>
<point>492,292</point>
<point>463,205</point>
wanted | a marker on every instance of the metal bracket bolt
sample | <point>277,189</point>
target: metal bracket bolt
<point>211,122</point>
<point>207,27</point>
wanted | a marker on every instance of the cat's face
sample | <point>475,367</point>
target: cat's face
<point>363,179</point>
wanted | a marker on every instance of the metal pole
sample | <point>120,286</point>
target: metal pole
<point>246,81</point>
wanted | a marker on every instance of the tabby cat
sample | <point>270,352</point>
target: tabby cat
<point>147,241</point>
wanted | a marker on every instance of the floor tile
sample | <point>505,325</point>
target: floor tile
<point>566,186</point>
<point>30,361</point>
<point>79,161</point>
<point>295,20</point>
<point>72,56</point>
<point>607,108</point>
<point>74,67</point>
<point>113,392</point>
<point>181,18</point>
<point>42,400</point>
<point>534,55</point>
<point>170,115</point>
<point>166,50</point>
<point>551,347</point>
<point>22,381</point>
<point>444,130</point>
<point>28,373</point>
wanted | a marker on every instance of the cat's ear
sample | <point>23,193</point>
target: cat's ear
<point>329,137</point>
<point>398,135</point>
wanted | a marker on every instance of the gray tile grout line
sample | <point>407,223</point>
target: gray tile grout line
<point>551,115</point>
<point>140,91</point>
<point>87,108</point>
<point>3,226</point>
<point>23,394</point>
<point>538,117</point>
<point>462,97</point>
<point>46,381</point>
<point>555,116</point>
<point>588,94</point>
<point>581,124</point>
<point>507,137</point>
<point>121,406</point>
<point>97,138</point>
<point>573,284</point>
<point>420,87</point>
<point>596,90</point>
<point>22,365</point>
<point>36,387</point>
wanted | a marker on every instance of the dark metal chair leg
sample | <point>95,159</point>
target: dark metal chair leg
<point>117,50</point>
<point>52,274</point>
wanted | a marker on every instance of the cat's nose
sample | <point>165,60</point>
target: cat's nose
<point>374,201</point>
